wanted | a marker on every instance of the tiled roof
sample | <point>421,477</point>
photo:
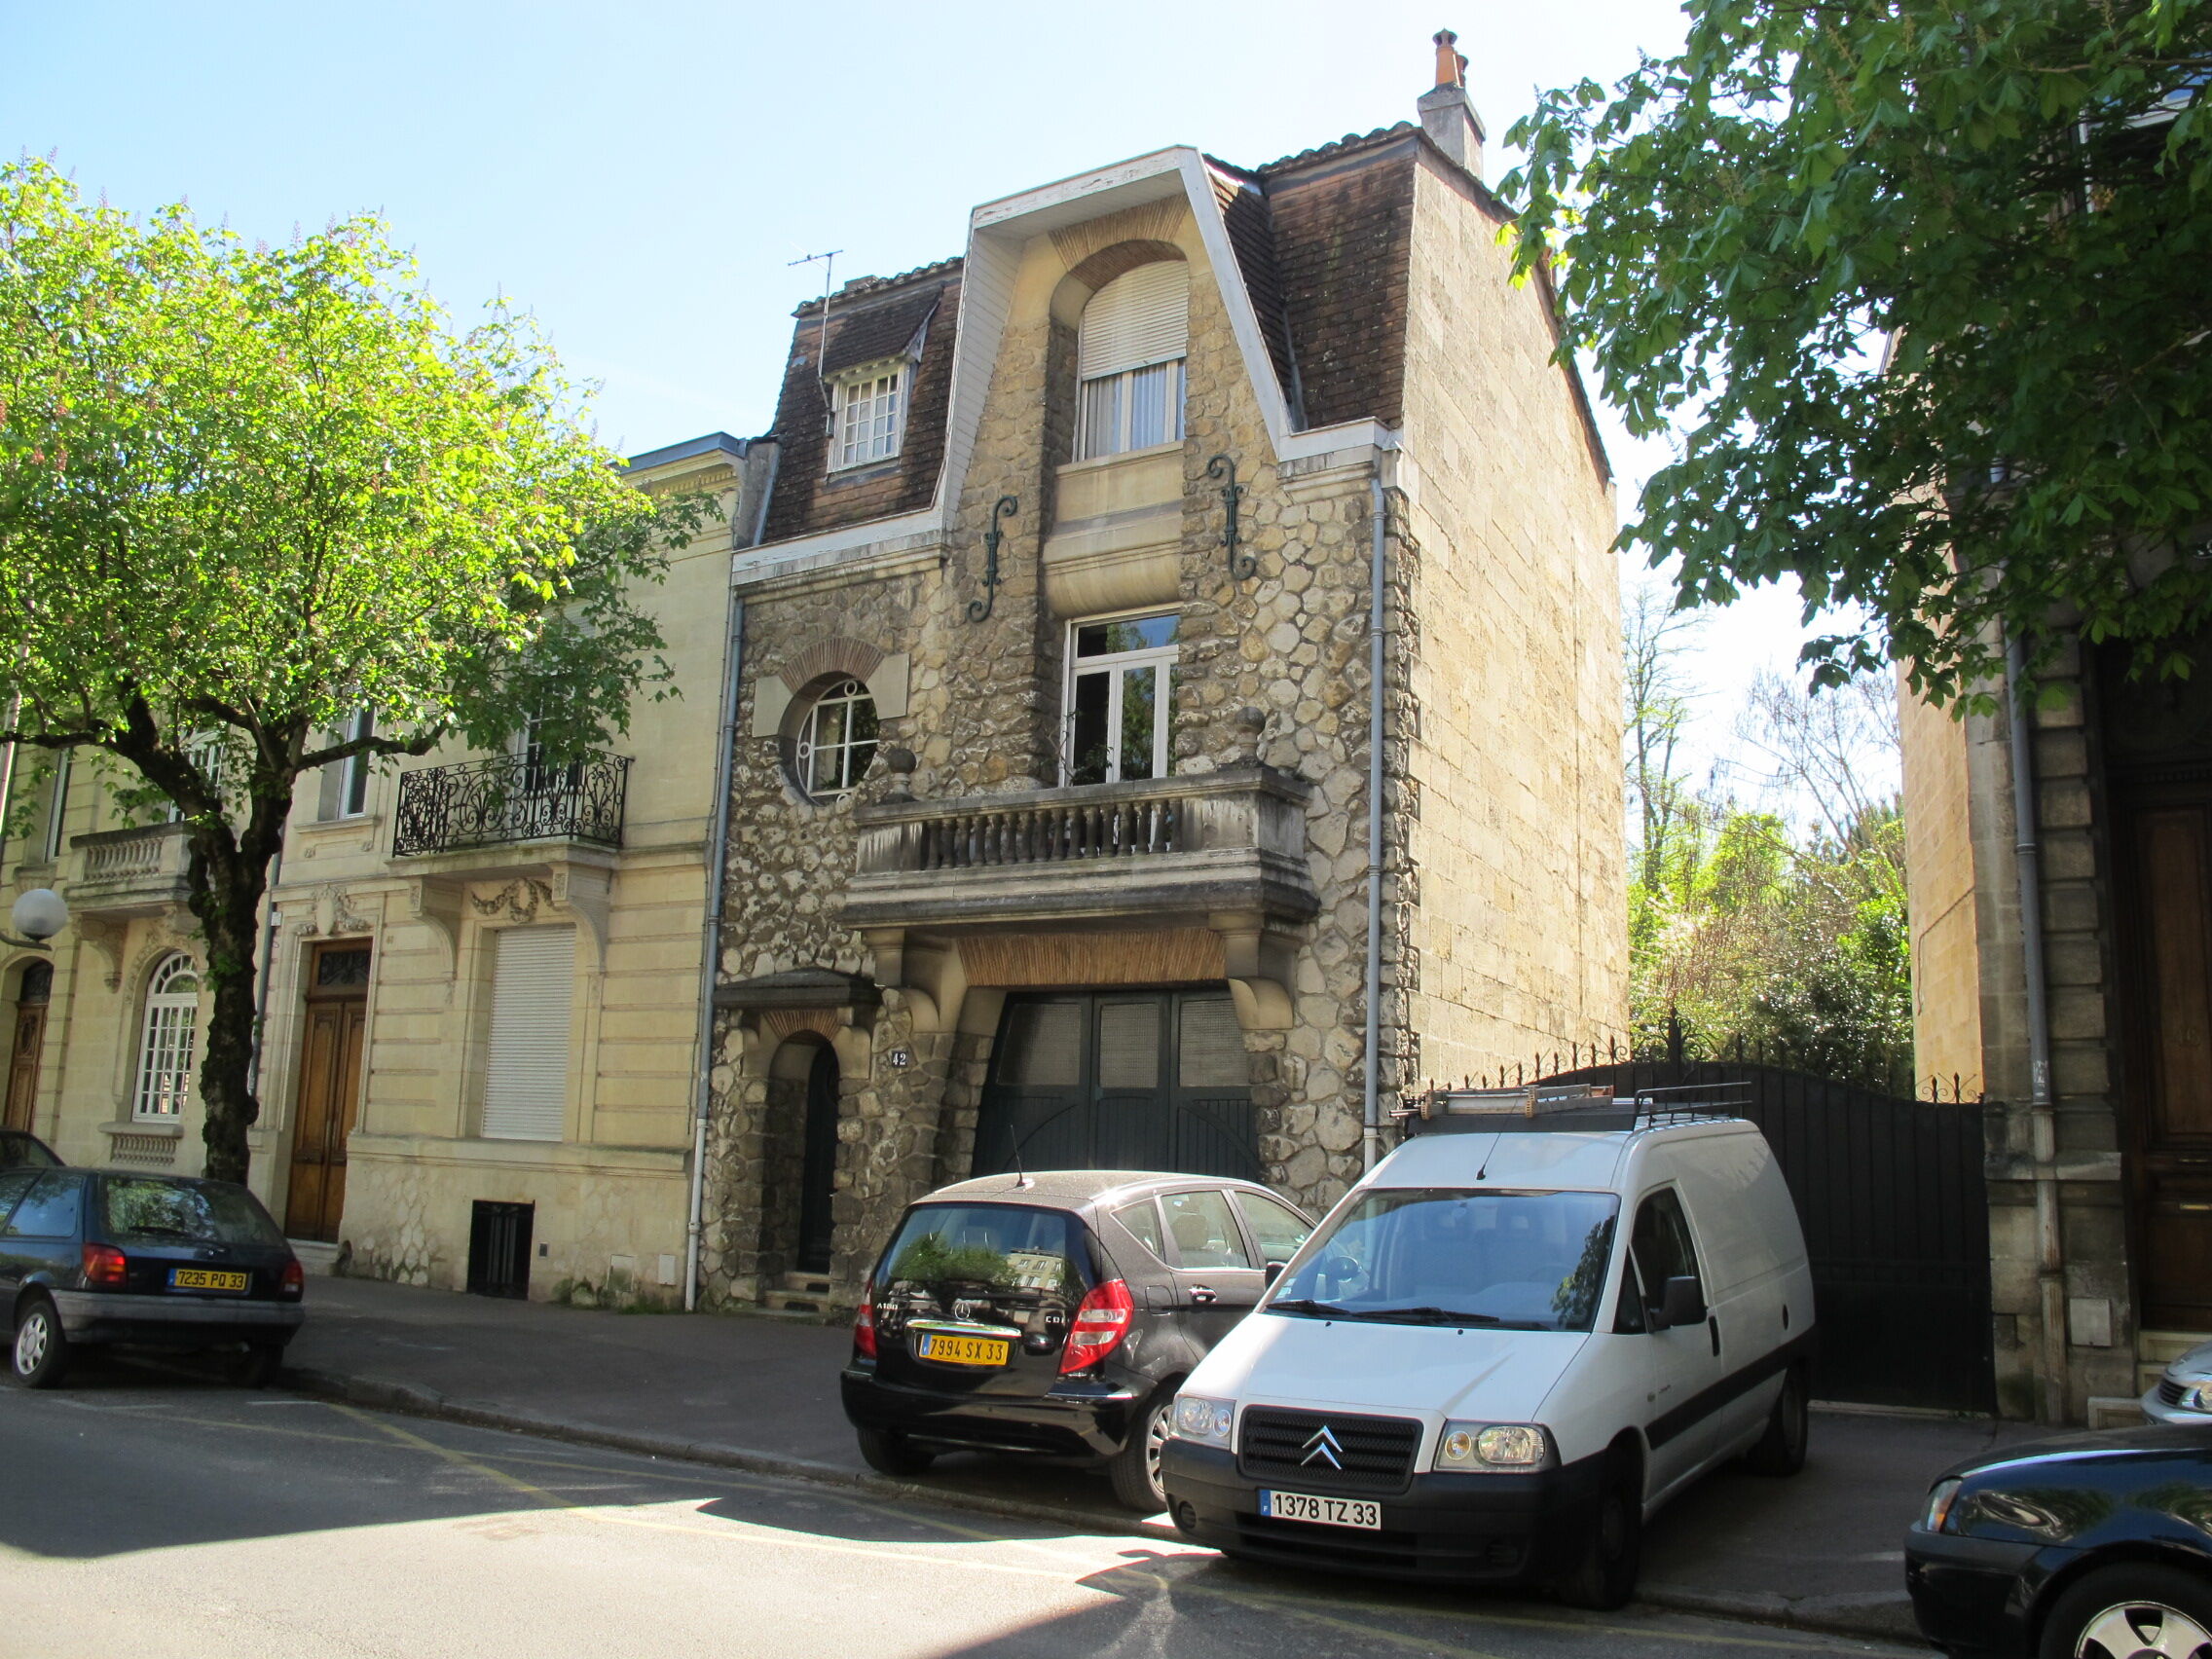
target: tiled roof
<point>860,286</point>
<point>883,329</point>
<point>1344,146</point>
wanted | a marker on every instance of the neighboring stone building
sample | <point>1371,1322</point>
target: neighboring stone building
<point>482,983</point>
<point>2101,1191</point>
<point>1048,834</point>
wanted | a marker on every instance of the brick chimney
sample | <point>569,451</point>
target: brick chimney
<point>1447,114</point>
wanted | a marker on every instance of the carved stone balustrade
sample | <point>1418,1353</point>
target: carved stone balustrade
<point>128,872</point>
<point>1190,877</point>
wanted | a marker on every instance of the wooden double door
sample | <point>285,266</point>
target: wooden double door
<point>329,1096</point>
<point>32,996</point>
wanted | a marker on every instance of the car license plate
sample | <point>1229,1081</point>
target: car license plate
<point>205,1279</point>
<point>1322,1511</point>
<point>964,1351</point>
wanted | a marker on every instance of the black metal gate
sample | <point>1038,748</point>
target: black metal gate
<point>499,1248</point>
<point>1890,1192</point>
<point>1120,1080</point>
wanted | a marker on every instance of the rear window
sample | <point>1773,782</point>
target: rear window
<point>989,1247</point>
<point>48,1211</point>
<point>148,1210</point>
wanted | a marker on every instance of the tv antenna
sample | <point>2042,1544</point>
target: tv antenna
<point>822,338</point>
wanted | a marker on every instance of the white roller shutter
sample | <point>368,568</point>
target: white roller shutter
<point>1140,318</point>
<point>526,1067</point>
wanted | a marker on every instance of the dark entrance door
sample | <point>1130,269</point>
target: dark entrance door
<point>819,1174</point>
<point>1120,1080</point>
<point>2158,763</point>
<point>329,1098</point>
<point>32,999</point>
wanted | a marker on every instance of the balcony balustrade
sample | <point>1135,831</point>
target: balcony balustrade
<point>1221,851</point>
<point>496,802</point>
<point>123,872</point>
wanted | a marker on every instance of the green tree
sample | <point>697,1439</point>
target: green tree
<point>245,491</point>
<point>1922,281</point>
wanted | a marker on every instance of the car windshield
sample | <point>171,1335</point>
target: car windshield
<point>145,1209</point>
<point>1437,1256</point>
<point>999,1248</point>
<point>21,1152</point>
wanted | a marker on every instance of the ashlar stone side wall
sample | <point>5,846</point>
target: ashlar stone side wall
<point>1509,709</point>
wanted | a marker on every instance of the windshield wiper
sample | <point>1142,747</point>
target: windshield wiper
<point>1427,1316</point>
<point>1307,1305</point>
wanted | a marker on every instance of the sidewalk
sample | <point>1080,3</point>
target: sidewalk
<point>1822,1551</point>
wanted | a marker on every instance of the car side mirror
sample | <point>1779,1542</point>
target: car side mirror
<point>1682,1304</point>
<point>1273,1272</point>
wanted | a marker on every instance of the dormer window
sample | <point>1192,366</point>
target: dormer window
<point>1129,350</point>
<point>870,415</point>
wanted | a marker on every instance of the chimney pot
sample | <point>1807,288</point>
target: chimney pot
<point>1447,114</point>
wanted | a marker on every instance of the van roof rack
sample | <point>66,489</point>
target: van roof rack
<point>1568,1107</point>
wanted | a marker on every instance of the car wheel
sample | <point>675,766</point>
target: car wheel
<point>1135,1468</point>
<point>2134,1611</point>
<point>257,1367</point>
<point>887,1453</point>
<point>1781,1450</point>
<point>1605,1578</point>
<point>41,1353</point>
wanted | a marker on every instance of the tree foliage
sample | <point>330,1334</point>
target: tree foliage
<point>247,491</point>
<point>2012,202</point>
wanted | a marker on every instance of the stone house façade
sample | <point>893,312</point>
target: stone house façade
<point>1048,820</point>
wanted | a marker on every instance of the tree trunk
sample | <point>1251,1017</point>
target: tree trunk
<point>228,877</point>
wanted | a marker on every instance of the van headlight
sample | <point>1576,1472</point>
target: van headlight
<point>1492,1446</point>
<point>1205,1420</point>
<point>2197,1398</point>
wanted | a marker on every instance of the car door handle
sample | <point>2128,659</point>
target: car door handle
<point>1712,1324</point>
<point>1203,1293</point>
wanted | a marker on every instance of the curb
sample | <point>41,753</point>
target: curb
<point>410,1400</point>
<point>1886,1617</point>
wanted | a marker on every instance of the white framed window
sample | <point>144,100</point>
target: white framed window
<point>206,751</point>
<point>836,741</point>
<point>168,1038</point>
<point>57,808</point>
<point>870,417</point>
<point>1129,352</point>
<point>346,783</point>
<point>1120,698</point>
<point>526,1060</point>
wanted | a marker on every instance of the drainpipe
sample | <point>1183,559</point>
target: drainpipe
<point>711,923</point>
<point>268,961</point>
<point>2043,1119</point>
<point>1371,1136</point>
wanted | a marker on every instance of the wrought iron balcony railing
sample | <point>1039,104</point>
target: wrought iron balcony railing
<point>486,803</point>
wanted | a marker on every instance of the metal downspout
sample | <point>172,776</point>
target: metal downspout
<point>1371,1135</point>
<point>2043,1119</point>
<point>711,923</point>
<point>711,949</point>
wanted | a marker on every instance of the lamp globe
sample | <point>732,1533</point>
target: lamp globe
<point>39,914</point>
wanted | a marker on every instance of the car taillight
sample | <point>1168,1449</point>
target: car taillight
<point>295,1279</point>
<point>863,1323</point>
<point>1100,1324</point>
<point>105,1265</point>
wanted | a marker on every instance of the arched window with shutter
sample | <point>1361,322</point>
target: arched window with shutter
<point>1129,352</point>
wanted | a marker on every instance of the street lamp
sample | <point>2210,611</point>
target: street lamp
<point>38,916</point>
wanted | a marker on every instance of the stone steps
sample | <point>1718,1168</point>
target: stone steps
<point>316,1257</point>
<point>799,1293</point>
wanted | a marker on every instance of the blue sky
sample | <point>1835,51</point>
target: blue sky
<point>641,177</point>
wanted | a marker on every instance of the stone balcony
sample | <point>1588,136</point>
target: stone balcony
<point>1191,877</point>
<point>128,872</point>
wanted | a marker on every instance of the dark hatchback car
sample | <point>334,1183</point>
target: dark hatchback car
<point>20,1149</point>
<point>1053,1315</point>
<point>2092,1546</point>
<point>99,1257</point>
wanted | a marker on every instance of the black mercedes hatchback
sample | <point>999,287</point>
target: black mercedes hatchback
<point>2092,1546</point>
<point>97,1257</point>
<point>1053,1315</point>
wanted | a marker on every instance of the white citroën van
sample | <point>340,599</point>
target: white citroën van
<point>1520,1334</point>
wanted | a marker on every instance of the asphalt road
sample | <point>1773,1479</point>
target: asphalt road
<point>155,1514</point>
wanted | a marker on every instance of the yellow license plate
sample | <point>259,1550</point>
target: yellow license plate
<point>964,1351</point>
<point>205,1279</point>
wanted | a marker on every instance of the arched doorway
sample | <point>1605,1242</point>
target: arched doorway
<point>818,1174</point>
<point>33,992</point>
